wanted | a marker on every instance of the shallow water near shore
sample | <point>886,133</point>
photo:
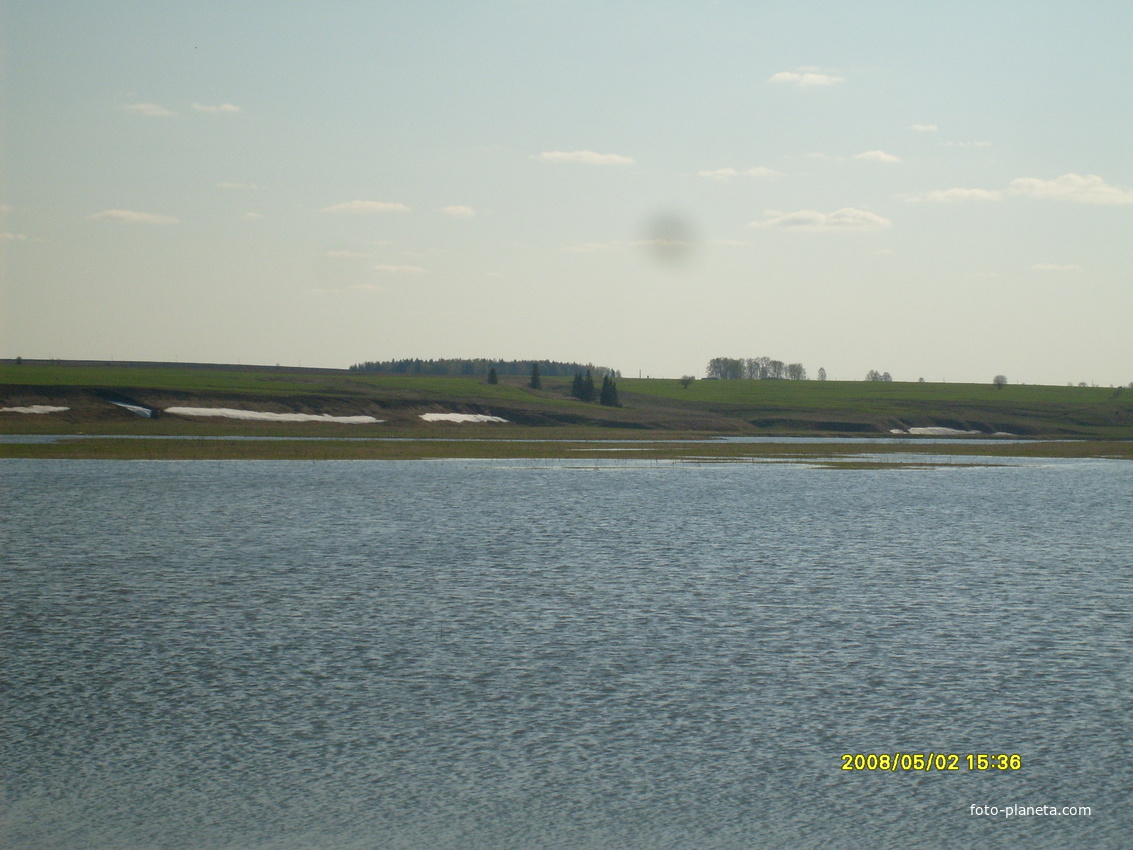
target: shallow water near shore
<point>517,654</point>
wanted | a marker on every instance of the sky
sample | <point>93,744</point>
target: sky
<point>937,190</point>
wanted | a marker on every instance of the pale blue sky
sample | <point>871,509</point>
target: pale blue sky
<point>935,190</point>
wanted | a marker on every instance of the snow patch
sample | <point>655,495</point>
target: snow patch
<point>135,408</point>
<point>264,416</point>
<point>936,431</point>
<point>460,417</point>
<point>34,408</point>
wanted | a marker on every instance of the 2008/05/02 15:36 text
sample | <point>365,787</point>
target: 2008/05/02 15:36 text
<point>893,762</point>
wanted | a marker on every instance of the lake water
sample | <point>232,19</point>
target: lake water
<point>508,654</point>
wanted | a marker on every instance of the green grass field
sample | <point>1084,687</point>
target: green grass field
<point>649,406</point>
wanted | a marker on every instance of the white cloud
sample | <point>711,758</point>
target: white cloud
<point>759,172</point>
<point>805,79</point>
<point>846,218</point>
<point>132,217</point>
<point>661,242</point>
<point>219,109</point>
<point>585,157</point>
<point>1054,267</point>
<point>459,211</point>
<point>877,156</point>
<point>589,247</point>
<point>237,186</point>
<point>153,110</point>
<point>1087,189</point>
<point>12,237</point>
<point>363,207</point>
<point>924,128</point>
<point>959,194</point>
<point>388,269</point>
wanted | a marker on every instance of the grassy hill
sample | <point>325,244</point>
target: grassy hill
<point>719,407</point>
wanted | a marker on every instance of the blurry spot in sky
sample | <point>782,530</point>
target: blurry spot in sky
<point>669,238</point>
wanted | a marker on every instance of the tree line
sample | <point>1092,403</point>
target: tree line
<point>477,366</point>
<point>757,369</point>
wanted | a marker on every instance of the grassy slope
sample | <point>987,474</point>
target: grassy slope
<point>775,407</point>
<point>870,407</point>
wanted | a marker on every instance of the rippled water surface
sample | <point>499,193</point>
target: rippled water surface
<point>477,654</point>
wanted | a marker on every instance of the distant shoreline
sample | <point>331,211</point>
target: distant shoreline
<point>471,417</point>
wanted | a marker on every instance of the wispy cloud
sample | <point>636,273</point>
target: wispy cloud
<point>804,79</point>
<point>844,219</point>
<point>132,217</point>
<point>959,194</point>
<point>585,157</point>
<point>589,247</point>
<point>153,110</point>
<point>13,237</point>
<point>759,172</point>
<point>459,211</point>
<point>219,109</point>
<point>365,207</point>
<point>1054,267</point>
<point>355,287</point>
<point>877,156</point>
<point>924,128</point>
<point>391,269</point>
<point>1083,189</point>
<point>1076,188</point>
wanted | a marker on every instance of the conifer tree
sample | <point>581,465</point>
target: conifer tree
<point>576,386</point>
<point>588,393</point>
<point>535,382</point>
<point>493,378</point>
<point>609,396</point>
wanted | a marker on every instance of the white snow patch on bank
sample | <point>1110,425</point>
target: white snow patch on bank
<point>264,416</point>
<point>135,408</point>
<point>34,408</point>
<point>935,431</point>
<point>460,417</point>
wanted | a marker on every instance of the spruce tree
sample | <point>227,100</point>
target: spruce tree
<point>576,386</point>
<point>609,395</point>
<point>493,378</point>
<point>588,393</point>
<point>535,382</point>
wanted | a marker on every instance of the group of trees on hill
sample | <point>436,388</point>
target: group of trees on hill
<point>758,369</point>
<point>476,366</point>
<point>583,389</point>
